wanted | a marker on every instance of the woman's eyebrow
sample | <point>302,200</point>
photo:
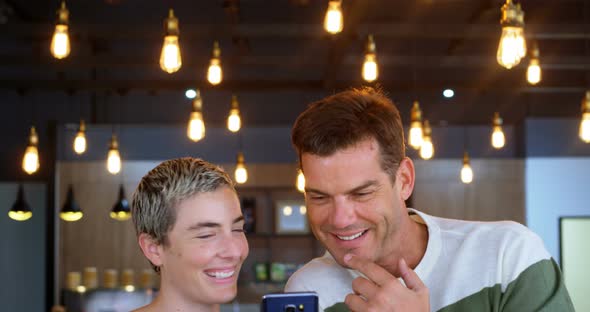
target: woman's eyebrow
<point>210,224</point>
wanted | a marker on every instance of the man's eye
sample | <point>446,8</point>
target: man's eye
<point>239,230</point>
<point>363,195</point>
<point>205,236</point>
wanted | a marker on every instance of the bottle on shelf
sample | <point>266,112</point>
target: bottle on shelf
<point>249,212</point>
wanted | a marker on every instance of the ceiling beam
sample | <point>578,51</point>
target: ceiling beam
<point>432,62</point>
<point>482,10</point>
<point>272,85</point>
<point>43,31</point>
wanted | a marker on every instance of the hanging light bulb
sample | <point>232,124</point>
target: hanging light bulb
<point>533,72</point>
<point>370,69</point>
<point>214,72</point>
<point>170,60</point>
<point>466,171</point>
<point>31,158</point>
<point>416,126</point>
<point>241,174</point>
<point>113,158</point>
<point>60,42</point>
<point>121,210</point>
<point>300,181</point>
<point>333,20</point>
<point>234,122</point>
<point>71,211</point>
<point>585,123</point>
<point>427,148</point>
<point>20,210</point>
<point>196,125</point>
<point>287,211</point>
<point>512,47</point>
<point>498,138</point>
<point>127,280</point>
<point>302,210</point>
<point>80,140</point>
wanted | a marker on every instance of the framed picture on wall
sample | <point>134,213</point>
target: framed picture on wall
<point>291,217</point>
<point>574,255</point>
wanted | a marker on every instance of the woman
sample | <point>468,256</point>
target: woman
<point>189,224</point>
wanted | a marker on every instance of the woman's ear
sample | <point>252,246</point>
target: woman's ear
<point>406,176</point>
<point>151,249</point>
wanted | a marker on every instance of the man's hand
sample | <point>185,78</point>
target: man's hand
<point>383,291</point>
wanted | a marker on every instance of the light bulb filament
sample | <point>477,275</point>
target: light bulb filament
<point>196,127</point>
<point>60,42</point>
<point>80,142</point>
<point>333,20</point>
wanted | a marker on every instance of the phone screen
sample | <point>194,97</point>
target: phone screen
<point>290,302</point>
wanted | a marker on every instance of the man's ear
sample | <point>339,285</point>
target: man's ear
<point>151,249</point>
<point>406,176</point>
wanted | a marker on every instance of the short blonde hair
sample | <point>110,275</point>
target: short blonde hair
<point>161,189</point>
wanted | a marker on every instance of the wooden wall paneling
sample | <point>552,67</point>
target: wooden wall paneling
<point>496,193</point>
<point>97,240</point>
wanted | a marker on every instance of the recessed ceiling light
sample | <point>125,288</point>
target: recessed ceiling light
<point>448,93</point>
<point>190,93</point>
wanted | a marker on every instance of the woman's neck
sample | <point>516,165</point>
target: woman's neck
<point>174,302</point>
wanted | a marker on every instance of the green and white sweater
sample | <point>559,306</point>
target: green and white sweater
<point>468,266</point>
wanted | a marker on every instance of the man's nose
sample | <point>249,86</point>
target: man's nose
<point>342,213</point>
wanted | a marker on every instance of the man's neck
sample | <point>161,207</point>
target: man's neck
<point>410,244</point>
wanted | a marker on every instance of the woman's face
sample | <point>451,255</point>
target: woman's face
<point>205,248</point>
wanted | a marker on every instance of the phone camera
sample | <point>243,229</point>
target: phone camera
<point>290,308</point>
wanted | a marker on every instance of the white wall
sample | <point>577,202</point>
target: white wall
<point>558,187</point>
<point>555,187</point>
<point>574,260</point>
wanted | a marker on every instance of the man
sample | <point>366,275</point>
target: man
<point>382,256</point>
<point>190,227</point>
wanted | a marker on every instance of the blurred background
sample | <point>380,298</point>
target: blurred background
<point>493,94</point>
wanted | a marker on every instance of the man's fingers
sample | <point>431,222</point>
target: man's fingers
<point>364,287</point>
<point>355,303</point>
<point>371,270</point>
<point>410,277</point>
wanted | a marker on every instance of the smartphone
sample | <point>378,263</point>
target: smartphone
<point>290,302</point>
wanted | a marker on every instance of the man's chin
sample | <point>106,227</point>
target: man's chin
<point>338,255</point>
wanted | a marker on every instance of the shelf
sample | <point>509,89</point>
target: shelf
<point>252,292</point>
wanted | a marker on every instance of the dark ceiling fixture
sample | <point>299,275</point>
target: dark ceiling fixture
<point>20,211</point>
<point>121,210</point>
<point>70,210</point>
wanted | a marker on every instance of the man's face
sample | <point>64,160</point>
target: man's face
<point>206,248</point>
<point>352,205</point>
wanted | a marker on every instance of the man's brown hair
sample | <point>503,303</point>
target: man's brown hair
<point>347,118</point>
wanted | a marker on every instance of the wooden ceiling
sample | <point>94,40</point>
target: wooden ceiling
<point>277,51</point>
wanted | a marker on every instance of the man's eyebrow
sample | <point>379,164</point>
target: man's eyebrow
<point>311,190</point>
<point>201,225</point>
<point>356,189</point>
